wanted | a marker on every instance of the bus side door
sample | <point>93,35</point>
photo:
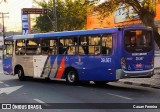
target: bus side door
<point>7,57</point>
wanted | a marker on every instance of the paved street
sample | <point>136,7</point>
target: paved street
<point>40,91</point>
<point>92,40</point>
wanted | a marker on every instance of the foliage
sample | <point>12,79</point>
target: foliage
<point>71,15</point>
<point>144,8</point>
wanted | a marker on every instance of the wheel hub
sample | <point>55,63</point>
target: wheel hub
<point>19,72</point>
<point>71,76</point>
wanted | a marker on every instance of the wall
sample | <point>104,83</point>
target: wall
<point>94,21</point>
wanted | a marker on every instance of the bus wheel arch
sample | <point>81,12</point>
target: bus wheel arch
<point>19,70</point>
<point>71,75</point>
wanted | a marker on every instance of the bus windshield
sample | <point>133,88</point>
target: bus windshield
<point>138,41</point>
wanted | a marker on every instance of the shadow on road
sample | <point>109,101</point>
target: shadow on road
<point>56,83</point>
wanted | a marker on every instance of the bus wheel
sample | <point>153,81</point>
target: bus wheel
<point>100,82</point>
<point>47,79</point>
<point>21,74</point>
<point>72,76</point>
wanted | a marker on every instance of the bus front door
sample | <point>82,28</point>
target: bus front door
<point>7,58</point>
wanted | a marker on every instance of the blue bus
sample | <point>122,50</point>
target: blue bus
<point>99,55</point>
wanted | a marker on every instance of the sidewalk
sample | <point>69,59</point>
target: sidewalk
<point>153,82</point>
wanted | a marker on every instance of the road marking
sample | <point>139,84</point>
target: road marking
<point>1,82</point>
<point>120,96</point>
<point>42,102</point>
<point>9,90</point>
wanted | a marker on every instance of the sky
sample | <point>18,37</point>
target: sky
<point>13,7</point>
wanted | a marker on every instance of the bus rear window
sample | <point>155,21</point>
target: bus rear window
<point>138,41</point>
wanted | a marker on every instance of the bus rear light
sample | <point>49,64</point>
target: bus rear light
<point>123,63</point>
<point>153,61</point>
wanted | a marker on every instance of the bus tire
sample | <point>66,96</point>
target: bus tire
<point>72,76</point>
<point>21,74</point>
<point>47,79</point>
<point>100,82</point>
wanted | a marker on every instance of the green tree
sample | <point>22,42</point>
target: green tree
<point>71,15</point>
<point>144,8</point>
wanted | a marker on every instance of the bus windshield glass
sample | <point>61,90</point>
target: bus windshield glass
<point>138,41</point>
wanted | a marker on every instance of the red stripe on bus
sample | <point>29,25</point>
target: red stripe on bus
<point>61,69</point>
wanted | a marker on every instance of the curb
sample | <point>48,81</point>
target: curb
<point>139,84</point>
<point>156,86</point>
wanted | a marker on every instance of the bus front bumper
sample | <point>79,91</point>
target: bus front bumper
<point>120,73</point>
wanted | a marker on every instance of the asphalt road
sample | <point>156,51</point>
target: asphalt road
<point>41,92</point>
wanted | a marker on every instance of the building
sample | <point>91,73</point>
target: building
<point>118,18</point>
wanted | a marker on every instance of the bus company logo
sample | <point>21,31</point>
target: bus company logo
<point>66,58</point>
<point>79,62</point>
<point>6,106</point>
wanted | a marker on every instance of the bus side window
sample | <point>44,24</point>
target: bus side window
<point>81,50</point>
<point>85,49</point>
<point>94,45</point>
<point>106,45</point>
<point>53,47</point>
<point>68,45</point>
<point>61,50</point>
<point>20,47</point>
<point>8,49</point>
<point>38,50</point>
<point>32,46</point>
<point>49,46</point>
<point>83,45</point>
<point>103,50</point>
<point>45,50</point>
<point>72,46</point>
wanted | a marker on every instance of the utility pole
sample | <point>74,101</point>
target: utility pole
<point>3,27</point>
<point>54,15</point>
